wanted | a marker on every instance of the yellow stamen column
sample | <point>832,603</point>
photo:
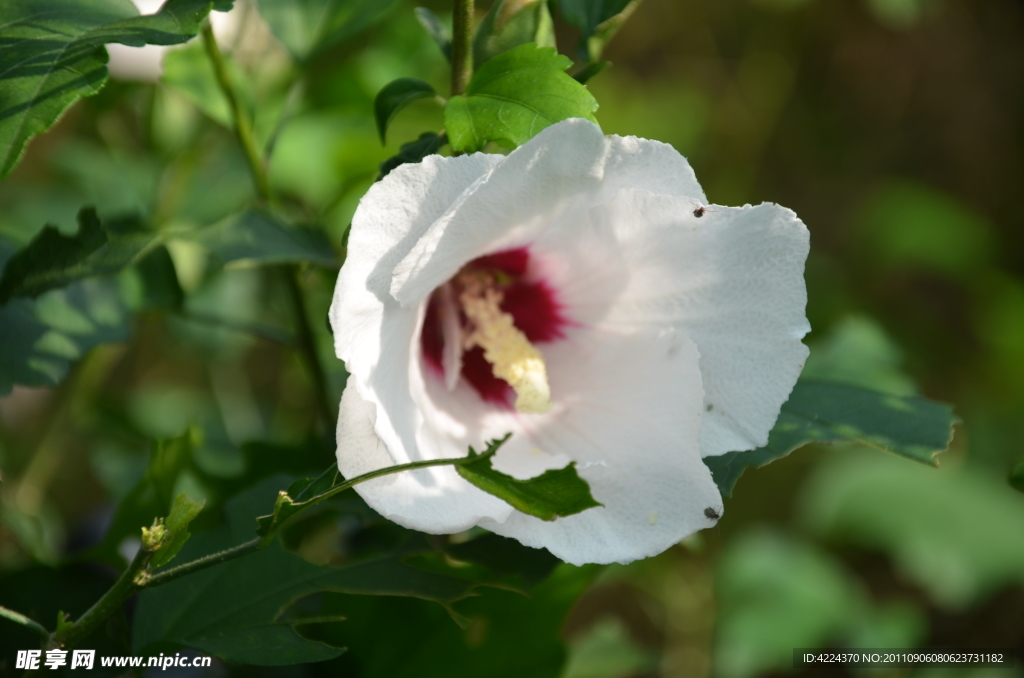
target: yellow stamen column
<point>511,355</point>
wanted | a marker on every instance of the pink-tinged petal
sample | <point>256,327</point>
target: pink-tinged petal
<point>435,500</point>
<point>629,413</point>
<point>556,177</point>
<point>732,281</point>
<point>376,338</point>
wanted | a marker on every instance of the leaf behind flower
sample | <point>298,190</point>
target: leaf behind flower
<point>827,412</point>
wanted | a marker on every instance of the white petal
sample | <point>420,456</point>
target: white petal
<point>630,419</point>
<point>732,281</point>
<point>556,176</point>
<point>435,500</point>
<point>373,335</point>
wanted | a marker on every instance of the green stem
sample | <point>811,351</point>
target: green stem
<point>243,126</point>
<point>261,542</point>
<point>204,562</point>
<point>307,344</point>
<point>462,46</point>
<point>125,586</point>
<point>21,619</point>
<point>411,466</point>
<point>137,576</point>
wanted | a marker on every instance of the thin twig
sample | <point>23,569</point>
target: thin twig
<point>21,619</point>
<point>243,126</point>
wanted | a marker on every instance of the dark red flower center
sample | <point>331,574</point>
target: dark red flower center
<point>525,296</point>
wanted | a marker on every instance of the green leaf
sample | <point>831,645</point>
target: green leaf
<point>53,54</point>
<point>550,495</point>
<point>598,21</point>
<point>429,143</point>
<point>511,23</point>
<point>188,71</point>
<point>306,27</point>
<point>54,260</point>
<point>255,238</point>
<point>824,412</point>
<point>183,512</point>
<point>237,610</point>
<point>395,96</point>
<point>510,635</point>
<point>41,338</point>
<point>514,96</point>
<point>298,496</point>
<point>433,25</point>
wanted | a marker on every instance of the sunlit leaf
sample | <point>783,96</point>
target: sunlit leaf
<point>514,96</point>
<point>823,412</point>
<point>183,512</point>
<point>511,23</point>
<point>307,26</point>
<point>395,96</point>
<point>53,54</point>
<point>54,260</point>
<point>555,493</point>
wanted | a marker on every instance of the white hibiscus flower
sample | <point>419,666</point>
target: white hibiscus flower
<point>576,294</point>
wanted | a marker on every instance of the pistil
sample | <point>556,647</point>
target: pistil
<point>511,355</point>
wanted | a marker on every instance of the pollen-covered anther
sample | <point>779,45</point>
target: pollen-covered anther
<point>511,355</point>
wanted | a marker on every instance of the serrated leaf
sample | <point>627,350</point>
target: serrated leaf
<point>510,23</point>
<point>236,610</point>
<point>429,143</point>
<point>514,96</point>
<point>54,260</point>
<point>183,512</point>
<point>551,495</point>
<point>826,412</point>
<point>53,54</point>
<point>433,25</point>
<point>305,27</point>
<point>255,238</point>
<point>395,96</point>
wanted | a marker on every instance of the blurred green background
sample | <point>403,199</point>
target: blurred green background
<point>892,127</point>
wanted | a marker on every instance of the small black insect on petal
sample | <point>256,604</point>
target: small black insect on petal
<point>711,513</point>
<point>699,212</point>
